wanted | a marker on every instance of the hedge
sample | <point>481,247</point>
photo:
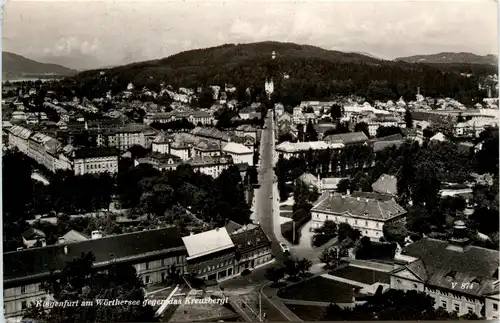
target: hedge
<point>300,217</point>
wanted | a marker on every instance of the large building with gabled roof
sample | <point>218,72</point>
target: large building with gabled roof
<point>460,277</point>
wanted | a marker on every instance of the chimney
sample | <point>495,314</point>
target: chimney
<point>357,198</point>
<point>65,250</point>
<point>191,233</point>
<point>60,240</point>
<point>96,234</point>
<point>348,192</point>
<point>366,200</point>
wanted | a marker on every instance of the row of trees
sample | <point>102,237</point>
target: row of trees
<point>394,305</point>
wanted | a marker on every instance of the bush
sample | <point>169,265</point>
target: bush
<point>376,250</point>
<point>320,239</point>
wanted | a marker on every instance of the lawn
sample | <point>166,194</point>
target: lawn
<point>319,289</point>
<point>307,312</point>
<point>365,276</point>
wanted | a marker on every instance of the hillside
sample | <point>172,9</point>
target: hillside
<point>314,73</point>
<point>17,66</point>
<point>461,58</point>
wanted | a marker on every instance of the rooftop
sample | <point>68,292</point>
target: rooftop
<point>438,264</point>
<point>368,206</point>
<point>386,184</point>
<point>347,138</point>
<point>235,148</point>
<point>250,239</point>
<point>33,262</point>
<point>83,153</point>
<point>207,242</point>
<point>303,146</point>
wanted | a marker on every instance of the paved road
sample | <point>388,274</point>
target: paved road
<point>263,203</point>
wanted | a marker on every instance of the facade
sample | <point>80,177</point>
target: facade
<point>95,161</point>
<point>461,278</point>
<point>253,248</point>
<point>210,254</point>
<point>239,153</point>
<point>375,123</point>
<point>288,149</point>
<point>367,212</point>
<point>194,117</point>
<point>150,252</point>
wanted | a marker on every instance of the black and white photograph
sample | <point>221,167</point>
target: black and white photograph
<point>250,161</point>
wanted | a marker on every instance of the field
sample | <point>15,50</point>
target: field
<point>319,289</point>
<point>365,276</point>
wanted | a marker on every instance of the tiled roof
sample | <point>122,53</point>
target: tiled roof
<point>232,226</point>
<point>347,138</point>
<point>74,236</point>
<point>207,242</point>
<point>32,234</point>
<point>177,115</point>
<point>29,263</point>
<point>95,152</point>
<point>131,128</point>
<point>438,265</point>
<point>394,137</point>
<point>359,206</point>
<point>21,132</point>
<point>161,138</point>
<point>212,133</point>
<point>386,184</point>
<point>308,179</point>
<point>381,145</point>
<point>250,239</point>
<point>201,161</point>
<point>235,148</point>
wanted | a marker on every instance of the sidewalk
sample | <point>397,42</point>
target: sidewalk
<point>271,295</point>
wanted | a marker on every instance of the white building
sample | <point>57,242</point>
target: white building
<point>95,160</point>
<point>367,212</point>
<point>375,123</point>
<point>240,153</point>
<point>288,149</point>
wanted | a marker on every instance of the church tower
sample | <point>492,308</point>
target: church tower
<point>269,85</point>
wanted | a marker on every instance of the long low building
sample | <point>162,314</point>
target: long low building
<point>288,149</point>
<point>151,252</point>
<point>367,212</point>
<point>50,153</point>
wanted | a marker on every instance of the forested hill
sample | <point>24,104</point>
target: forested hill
<point>16,66</point>
<point>461,58</point>
<point>314,73</point>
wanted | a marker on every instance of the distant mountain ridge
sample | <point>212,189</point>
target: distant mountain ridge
<point>449,57</point>
<point>17,66</point>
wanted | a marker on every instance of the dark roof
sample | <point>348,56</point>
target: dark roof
<point>250,239</point>
<point>30,263</point>
<point>381,145</point>
<point>232,226</point>
<point>347,138</point>
<point>33,234</point>
<point>437,261</point>
<point>242,167</point>
<point>393,137</point>
<point>96,152</point>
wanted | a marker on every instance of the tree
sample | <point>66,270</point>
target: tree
<point>274,274</point>
<point>363,127</point>
<point>206,98</point>
<point>387,131</point>
<point>79,281</point>
<point>336,112</point>
<point>331,257</point>
<point>304,265</point>
<point>408,119</point>
<point>311,133</point>
<point>395,232</point>
<point>344,185</point>
<point>291,268</point>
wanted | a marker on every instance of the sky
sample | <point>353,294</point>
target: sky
<point>118,32</point>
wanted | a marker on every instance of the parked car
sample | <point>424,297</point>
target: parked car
<point>285,249</point>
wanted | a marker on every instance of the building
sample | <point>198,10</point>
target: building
<point>472,128</point>
<point>375,123</point>
<point>253,248</point>
<point>386,184</point>
<point>367,212</point>
<point>239,153</point>
<point>211,254</point>
<point>32,236</point>
<point>288,149</point>
<point>460,277</point>
<point>330,184</point>
<point>95,160</point>
<point>73,236</point>
<point>130,135</point>
<point>310,181</point>
<point>350,138</point>
<point>151,252</point>
<point>195,117</point>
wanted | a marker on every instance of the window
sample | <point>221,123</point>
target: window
<point>470,309</point>
<point>147,265</point>
<point>23,289</point>
<point>415,286</point>
<point>148,280</point>
<point>24,305</point>
<point>495,306</point>
<point>456,307</point>
<point>366,223</point>
<point>444,304</point>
